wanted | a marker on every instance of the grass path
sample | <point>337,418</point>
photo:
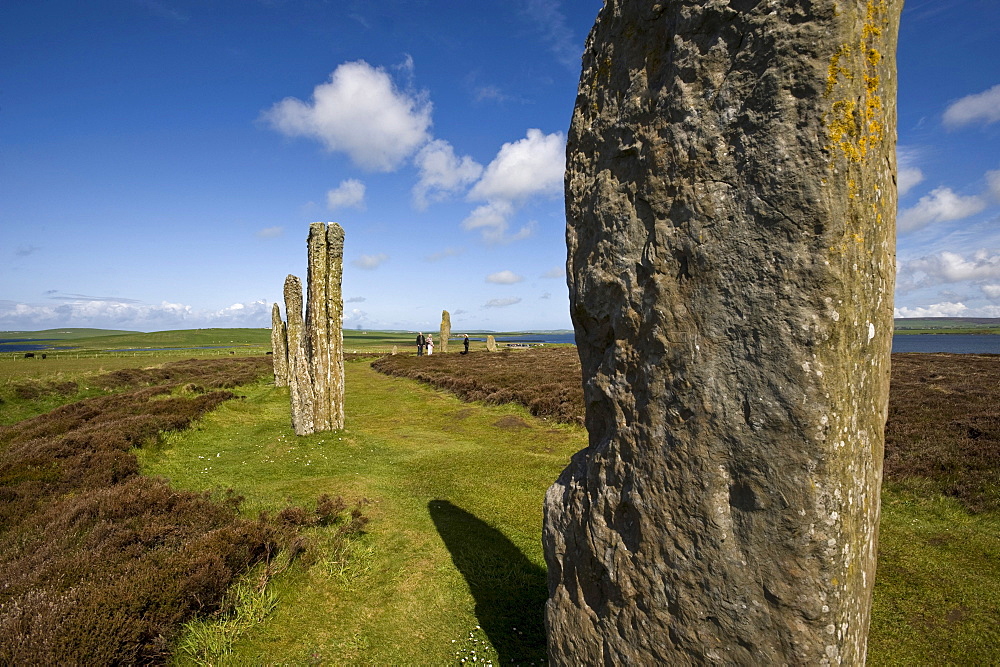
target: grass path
<point>455,493</point>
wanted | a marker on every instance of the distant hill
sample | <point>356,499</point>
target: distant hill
<point>947,324</point>
<point>63,334</point>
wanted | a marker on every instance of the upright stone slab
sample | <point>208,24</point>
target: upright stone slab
<point>299,376</point>
<point>279,348</point>
<point>445,330</point>
<point>491,343</point>
<point>324,323</point>
<point>731,207</point>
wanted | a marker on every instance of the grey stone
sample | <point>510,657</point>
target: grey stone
<point>279,347</point>
<point>324,324</point>
<point>730,202</point>
<point>445,330</point>
<point>299,377</point>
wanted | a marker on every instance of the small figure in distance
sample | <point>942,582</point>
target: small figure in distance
<point>420,343</point>
<point>430,345</point>
<point>466,343</point>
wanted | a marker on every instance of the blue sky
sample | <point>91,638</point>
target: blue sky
<point>161,160</point>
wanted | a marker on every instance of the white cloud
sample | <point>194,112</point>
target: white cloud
<point>993,183</point>
<point>128,313</point>
<point>370,262</point>
<point>349,194</point>
<point>502,303</point>
<point>947,309</point>
<point>270,232</point>
<point>992,291</point>
<point>492,222</point>
<point>941,205</point>
<point>950,267</point>
<point>984,107</point>
<point>907,178</point>
<point>524,168</point>
<point>355,299</point>
<point>442,173</point>
<point>504,278</point>
<point>361,112</point>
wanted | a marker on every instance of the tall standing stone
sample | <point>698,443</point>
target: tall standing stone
<point>324,323</point>
<point>279,348</point>
<point>731,207</point>
<point>299,376</point>
<point>491,343</point>
<point>445,330</point>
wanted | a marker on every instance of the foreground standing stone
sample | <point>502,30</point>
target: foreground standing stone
<point>491,343</point>
<point>324,324</point>
<point>445,330</point>
<point>731,203</point>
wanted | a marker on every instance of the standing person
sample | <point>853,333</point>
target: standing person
<point>465,342</point>
<point>420,343</point>
<point>430,345</point>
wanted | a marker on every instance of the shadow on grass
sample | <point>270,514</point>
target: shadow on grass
<point>510,591</point>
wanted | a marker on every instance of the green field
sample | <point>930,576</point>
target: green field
<point>931,325</point>
<point>451,562</point>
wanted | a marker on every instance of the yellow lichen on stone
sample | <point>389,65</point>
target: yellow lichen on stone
<point>852,135</point>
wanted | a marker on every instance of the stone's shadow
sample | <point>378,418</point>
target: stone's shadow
<point>510,591</point>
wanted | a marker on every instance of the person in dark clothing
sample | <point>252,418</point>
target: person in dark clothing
<point>466,343</point>
<point>420,344</point>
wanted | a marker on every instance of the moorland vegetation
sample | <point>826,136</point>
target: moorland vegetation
<point>451,470</point>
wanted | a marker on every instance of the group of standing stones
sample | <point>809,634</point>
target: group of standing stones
<point>730,204</point>
<point>309,351</point>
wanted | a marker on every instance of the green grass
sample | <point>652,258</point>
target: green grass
<point>454,493</point>
<point>937,588</point>
<point>452,559</point>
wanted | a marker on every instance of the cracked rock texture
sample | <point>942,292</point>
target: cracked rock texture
<point>731,197</point>
<point>299,380</point>
<point>325,323</point>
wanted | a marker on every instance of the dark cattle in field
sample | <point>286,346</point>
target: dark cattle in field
<point>29,355</point>
<point>43,356</point>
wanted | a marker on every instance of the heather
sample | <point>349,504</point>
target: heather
<point>100,564</point>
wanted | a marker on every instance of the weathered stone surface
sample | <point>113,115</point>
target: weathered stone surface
<point>395,349</point>
<point>730,203</point>
<point>324,324</point>
<point>299,380</point>
<point>491,343</point>
<point>279,347</point>
<point>445,330</point>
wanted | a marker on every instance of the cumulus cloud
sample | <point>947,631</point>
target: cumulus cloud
<point>270,232</point>
<point>371,262</point>
<point>442,173</point>
<point>982,107</point>
<point>946,309</point>
<point>502,303</point>
<point>992,291</point>
<point>504,278</point>
<point>524,168</point>
<point>941,205</point>
<point>521,170</point>
<point>950,267</point>
<point>349,194</point>
<point>361,112</point>
<point>491,220</point>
